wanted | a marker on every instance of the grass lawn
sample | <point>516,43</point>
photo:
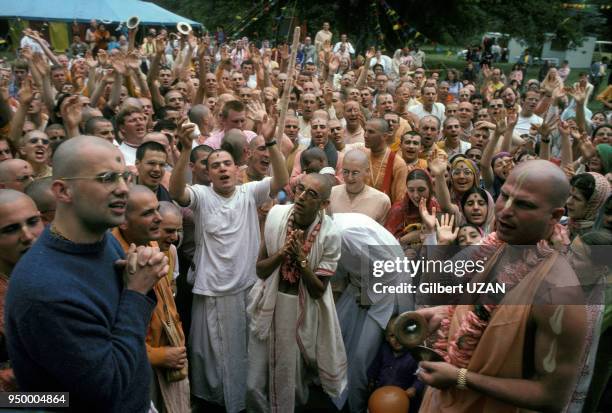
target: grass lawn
<point>442,61</point>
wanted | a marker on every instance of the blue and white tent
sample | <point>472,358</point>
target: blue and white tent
<point>83,11</point>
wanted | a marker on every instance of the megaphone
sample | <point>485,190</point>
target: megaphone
<point>183,28</point>
<point>133,22</point>
<point>411,330</point>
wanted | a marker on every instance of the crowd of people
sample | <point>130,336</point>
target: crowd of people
<point>183,223</point>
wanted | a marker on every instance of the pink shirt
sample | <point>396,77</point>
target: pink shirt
<point>214,141</point>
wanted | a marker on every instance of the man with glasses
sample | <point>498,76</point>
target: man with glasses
<point>354,195</point>
<point>15,174</point>
<point>76,322</point>
<point>228,234</point>
<point>295,334</point>
<point>34,148</point>
<point>20,226</point>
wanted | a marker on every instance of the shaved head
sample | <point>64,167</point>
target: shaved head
<point>234,141</point>
<point>358,156</point>
<point>324,184</point>
<point>553,180</point>
<point>8,196</point>
<point>135,192</point>
<point>68,159</point>
<point>166,207</point>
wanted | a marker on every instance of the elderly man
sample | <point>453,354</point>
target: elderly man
<point>15,174</point>
<point>525,356</point>
<point>387,169</point>
<point>297,259</point>
<point>142,226</point>
<point>354,195</point>
<point>227,235</point>
<point>74,321</point>
<point>20,226</point>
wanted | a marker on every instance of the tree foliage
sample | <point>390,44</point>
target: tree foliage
<point>458,22</point>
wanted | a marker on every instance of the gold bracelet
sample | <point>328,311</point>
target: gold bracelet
<point>462,379</point>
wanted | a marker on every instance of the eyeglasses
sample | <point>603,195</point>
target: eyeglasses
<point>308,194</point>
<point>106,177</point>
<point>354,174</point>
<point>34,141</point>
<point>465,171</point>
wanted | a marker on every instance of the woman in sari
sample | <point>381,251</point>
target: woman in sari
<point>588,193</point>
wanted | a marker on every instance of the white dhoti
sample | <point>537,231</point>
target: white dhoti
<point>277,379</point>
<point>218,349</point>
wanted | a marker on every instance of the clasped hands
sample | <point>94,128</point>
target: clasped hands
<point>143,268</point>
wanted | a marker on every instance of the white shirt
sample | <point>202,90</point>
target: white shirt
<point>129,154</point>
<point>437,110</point>
<point>524,123</point>
<point>227,237</point>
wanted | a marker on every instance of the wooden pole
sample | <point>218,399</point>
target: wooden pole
<point>284,103</point>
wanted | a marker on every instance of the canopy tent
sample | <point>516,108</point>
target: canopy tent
<point>83,11</point>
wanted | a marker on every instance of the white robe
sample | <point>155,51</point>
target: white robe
<point>363,314</point>
<point>317,334</point>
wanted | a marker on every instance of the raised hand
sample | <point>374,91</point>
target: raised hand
<point>102,57</point>
<point>437,167</point>
<point>26,94</point>
<point>268,127</point>
<point>501,124</point>
<point>91,61</point>
<point>587,148</point>
<point>133,60</point>
<point>578,93</point>
<point>546,127</point>
<point>428,220</point>
<point>334,64</point>
<point>256,110</point>
<point>72,111</point>
<point>444,229</point>
<point>119,64</point>
<point>370,53</point>
<point>185,134</point>
<point>284,51</point>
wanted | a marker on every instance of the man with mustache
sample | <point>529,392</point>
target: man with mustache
<point>227,228</point>
<point>293,316</point>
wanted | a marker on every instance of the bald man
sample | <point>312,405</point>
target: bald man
<point>354,195</point>
<point>42,195</point>
<point>75,322</point>
<point>528,356</point>
<point>142,226</point>
<point>235,142</point>
<point>201,116</point>
<point>20,226</point>
<point>388,170</point>
<point>15,174</point>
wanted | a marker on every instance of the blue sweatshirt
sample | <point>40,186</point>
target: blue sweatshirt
<point>71,326</point>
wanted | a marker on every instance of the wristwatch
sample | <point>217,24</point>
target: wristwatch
<point>304,263</point>
<point>462,379</point>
